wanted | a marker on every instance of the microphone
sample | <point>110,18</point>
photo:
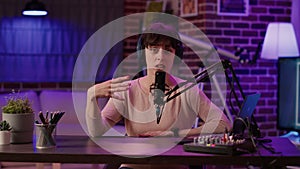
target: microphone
<point>158,91</point>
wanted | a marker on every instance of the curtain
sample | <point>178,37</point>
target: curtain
<point>45,49</point>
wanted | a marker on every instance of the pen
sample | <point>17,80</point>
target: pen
<point>60,114</point>
<point>51,116</point>
<point>47,114</point>
<point>56,117</point>
<point>42,118</point>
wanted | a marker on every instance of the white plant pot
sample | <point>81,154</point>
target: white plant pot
<point>5,137</point>
<point>22,127</point>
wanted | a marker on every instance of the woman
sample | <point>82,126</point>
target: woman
<point>134,101</point>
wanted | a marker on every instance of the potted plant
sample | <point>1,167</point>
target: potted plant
<point>4,132</point>
<point>19,114</point>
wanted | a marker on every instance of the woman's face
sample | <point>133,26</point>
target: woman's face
<point>160,56</point>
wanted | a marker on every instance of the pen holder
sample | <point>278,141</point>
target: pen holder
<point>45,136</point>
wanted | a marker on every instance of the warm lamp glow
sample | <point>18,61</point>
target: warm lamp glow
<point>280,41</point>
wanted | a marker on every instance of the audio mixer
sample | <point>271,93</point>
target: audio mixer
<point>219,144</point>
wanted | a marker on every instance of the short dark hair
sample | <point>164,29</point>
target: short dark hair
<point>158,32</point>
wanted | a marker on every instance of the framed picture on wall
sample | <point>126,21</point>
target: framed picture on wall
<point>188,8</point>
<point>233,7</point>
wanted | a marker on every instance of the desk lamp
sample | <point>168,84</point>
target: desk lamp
<point>280,41</point>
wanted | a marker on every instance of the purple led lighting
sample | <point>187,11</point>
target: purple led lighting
<point>34,8</point>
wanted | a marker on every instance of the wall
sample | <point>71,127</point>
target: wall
<point>40,52</point>
<point>227,32</point>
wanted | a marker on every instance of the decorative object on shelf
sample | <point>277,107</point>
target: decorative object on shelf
<point>188,8</point>
<point>280,41</point>
<point>19,114</point>
<point>4,132</point>
<point>151,8</point>
<point>233,7</point>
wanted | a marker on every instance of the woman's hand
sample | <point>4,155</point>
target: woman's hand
<point>110,87</point>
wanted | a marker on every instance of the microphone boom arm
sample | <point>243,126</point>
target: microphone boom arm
<point>200,77</point>
<point>207,46</point>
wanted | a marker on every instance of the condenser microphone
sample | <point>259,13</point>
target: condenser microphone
<point>158,91</point>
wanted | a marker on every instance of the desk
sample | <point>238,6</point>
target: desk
<point>81,149</point>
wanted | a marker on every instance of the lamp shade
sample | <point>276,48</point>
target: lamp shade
<point>35,8</point>
<point>280,41</point>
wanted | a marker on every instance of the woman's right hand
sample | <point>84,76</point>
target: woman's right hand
<point>109,88</point>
